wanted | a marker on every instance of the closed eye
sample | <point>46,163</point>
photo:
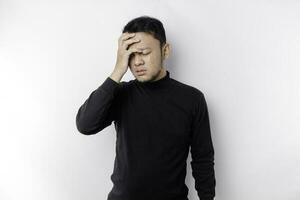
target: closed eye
<point>146,52</point>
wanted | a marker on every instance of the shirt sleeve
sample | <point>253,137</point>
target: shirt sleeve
<point>100,108</point>
<point>202,152</point>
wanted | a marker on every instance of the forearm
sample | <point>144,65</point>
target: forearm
<point>98,110</point>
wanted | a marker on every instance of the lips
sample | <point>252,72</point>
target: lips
<point>141,72</point>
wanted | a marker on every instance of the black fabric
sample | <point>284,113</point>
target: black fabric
<point>156,123</point>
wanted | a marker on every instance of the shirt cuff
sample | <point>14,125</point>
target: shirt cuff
<point>109,85</point>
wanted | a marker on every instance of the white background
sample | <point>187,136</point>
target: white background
<point>243,55</point>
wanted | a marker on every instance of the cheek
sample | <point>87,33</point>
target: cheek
<point>152,58</point>
<point>155,59</point>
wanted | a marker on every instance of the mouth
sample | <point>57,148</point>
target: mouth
<point>141,72</point>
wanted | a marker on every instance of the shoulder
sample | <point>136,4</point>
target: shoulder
<point>190,91</point>
<point>193,95</point>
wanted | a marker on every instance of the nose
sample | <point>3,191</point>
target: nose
<point>138,60</point>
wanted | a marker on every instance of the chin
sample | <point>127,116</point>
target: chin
<point>142,79</point>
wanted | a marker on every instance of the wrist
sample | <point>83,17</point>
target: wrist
<point>116,75</point>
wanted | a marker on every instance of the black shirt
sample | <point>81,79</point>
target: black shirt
<point>156,124</point>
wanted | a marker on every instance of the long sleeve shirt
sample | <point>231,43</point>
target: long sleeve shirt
<point>156,124</point>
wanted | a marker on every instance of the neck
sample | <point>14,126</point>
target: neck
<point>162,73</point>
<point>161,80</point>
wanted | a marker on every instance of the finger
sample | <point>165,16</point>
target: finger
<point>133,50</point>
<point>129,42</point>
<point>126,36</point>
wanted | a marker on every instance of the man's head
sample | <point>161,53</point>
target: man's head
<point>152,37</point>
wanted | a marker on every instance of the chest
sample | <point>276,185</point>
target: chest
<point>157,116</point>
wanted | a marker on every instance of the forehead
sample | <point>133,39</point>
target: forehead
<point>147,41</point>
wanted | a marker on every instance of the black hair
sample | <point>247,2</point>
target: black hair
<point>149,25</point>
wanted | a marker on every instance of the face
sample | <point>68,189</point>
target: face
<point>149,61</point>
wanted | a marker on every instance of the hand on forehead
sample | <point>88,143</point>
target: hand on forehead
<point>145,41</point>
<point>139,45</point>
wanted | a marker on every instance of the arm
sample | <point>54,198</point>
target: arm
<point>202,152</point>
<point>100,109</point>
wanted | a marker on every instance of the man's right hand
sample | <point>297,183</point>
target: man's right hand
<point>125,40</point>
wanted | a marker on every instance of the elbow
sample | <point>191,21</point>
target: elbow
<point>83,127</point>
<point>85,131</point>
<point>89,125</point>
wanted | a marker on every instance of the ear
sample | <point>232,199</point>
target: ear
<point>166,51</point>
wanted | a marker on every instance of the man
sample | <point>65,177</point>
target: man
<point>157,119</point>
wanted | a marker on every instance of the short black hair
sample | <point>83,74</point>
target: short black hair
<point>149,25</point>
